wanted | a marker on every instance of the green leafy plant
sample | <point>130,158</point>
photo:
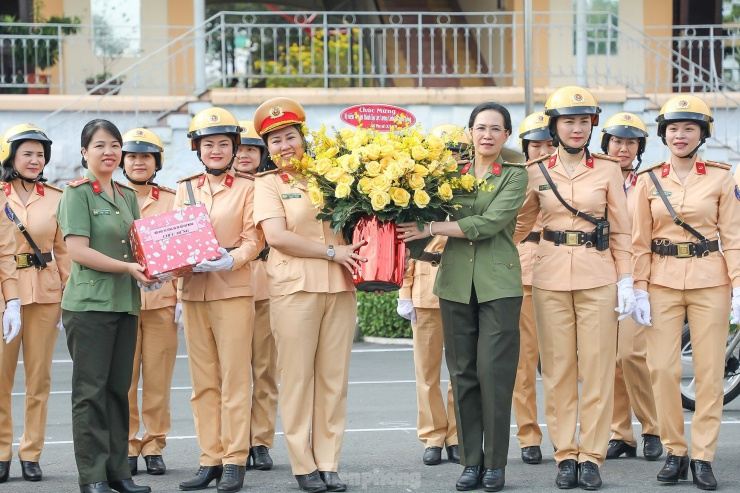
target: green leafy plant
<point>43,51</point>
<point>377,317</point>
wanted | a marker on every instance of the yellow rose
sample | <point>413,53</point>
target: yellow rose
<point>371,152</point>
<point>416,181</point>
<point>321,166</point>
<point>343,190</point>
<point>346,179</point>
<point>394,171</point>
<point>346,133</point>
<point>400,196</point>
<point>365,185</point>
<point>451,165</point>
<point>379,200</point>
<point>421,198</point>
<point>421,170</point>
<point>316,197</point>
<point>387,150</point>
<point>333,174</point>
<point>419,153</point>
<point>445,192</point>
<point>467,182</point>
<point>381,183</point>
<point>436,146</point>
<point>329,152</point>
<point>373,168</point>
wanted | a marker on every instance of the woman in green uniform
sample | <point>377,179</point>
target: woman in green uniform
<point>100,309</point>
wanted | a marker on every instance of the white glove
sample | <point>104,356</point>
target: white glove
<point>625,298</point>
<point>405,308</point>
<point>150,287</point>
<point>178,317</point>
<point>735,317</point>
<point>641,313</point>
<point>225,262</point>
<point>60,325</point>
<point>12,320</point>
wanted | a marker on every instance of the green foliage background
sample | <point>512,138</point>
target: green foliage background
<point>377,317</point>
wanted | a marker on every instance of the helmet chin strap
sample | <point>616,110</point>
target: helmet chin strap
<point>571,150</point>
<point>27,180</point>
<point>218,172</point>
<point>137,182</point>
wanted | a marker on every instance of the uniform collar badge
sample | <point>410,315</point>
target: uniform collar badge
<point>40,189</point>
<point>155,193</point>
<point>553,161</point>
<point>590,162</point>
<point>665,170</point>
<point>701,168</point>
<point>201,180</point>
<point>496,169</point>
<point>466,168</point>
<point>228,181</point>
<point>285,177</point>
<point>7,188</point>
<point>96,187</point>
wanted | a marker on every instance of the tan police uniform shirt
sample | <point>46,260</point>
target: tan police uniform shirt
<point>710,203</point>
<point>282,194</point>
<point>418,280</point>
<point>39,216</point>
<point>229,204</point>
<point>527,253</point>
<point>158,200</point>
<point>595,188</point>
<point>8,273</point>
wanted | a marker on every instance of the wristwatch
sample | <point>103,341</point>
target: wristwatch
<point>330,252</point>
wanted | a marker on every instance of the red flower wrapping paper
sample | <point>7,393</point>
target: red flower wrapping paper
<point>173,242</point>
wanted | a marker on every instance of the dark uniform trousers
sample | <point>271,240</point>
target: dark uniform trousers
<point>482,352</point>
<point>102,347</point>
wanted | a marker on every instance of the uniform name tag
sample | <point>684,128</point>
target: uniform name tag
<point>101,212</point>
<point>544,187</point>
<point>666,192</point>
<point>291,195</point>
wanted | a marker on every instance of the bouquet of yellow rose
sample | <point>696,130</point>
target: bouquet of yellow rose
<point>399,176</point>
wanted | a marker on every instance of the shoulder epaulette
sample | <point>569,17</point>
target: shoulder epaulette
<point>188,178</point>
<point>245,175</point>
<point>268,172</point>
<point>642,169</point>
<point>510,156</point>
<point>537,160</point>
<point>167,189</point>
<point>598,155</point>
<point>122,185</point>
<point>47,185</point>
<point>76,183</point>
<point>715,164</point>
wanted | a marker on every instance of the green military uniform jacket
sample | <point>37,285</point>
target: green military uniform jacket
<point>487,257</point>
<point>85,210</point>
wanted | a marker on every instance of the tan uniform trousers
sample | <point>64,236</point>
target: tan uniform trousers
<point>313,334</point>
<point>435,421</point>
<point>632,388</point>
<point>707,310</point>
<point>525,387</point>
<point>577,333</point>
<point>264,376</point>
<point>38,336</point>
<point>218,335</point>
<point>154,360</point>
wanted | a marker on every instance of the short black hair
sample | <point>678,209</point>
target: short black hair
<point>88,131</point>
<point>501,109</point>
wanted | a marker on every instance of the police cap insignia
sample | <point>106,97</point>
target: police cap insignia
<point>682,103</point>
<point>276,112</point>
<point>213,118</point>
<point>578,98</point>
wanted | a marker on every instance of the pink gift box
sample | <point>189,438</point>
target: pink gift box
<point>173,242</point>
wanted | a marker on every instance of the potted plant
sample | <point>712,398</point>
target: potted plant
<point>37,58</point>
<point>109,48</point>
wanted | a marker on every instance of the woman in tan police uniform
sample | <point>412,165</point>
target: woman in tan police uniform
<point>581,272</point>
<point>250,154</point>
<point>624,137</point>
<point>25,152</point>
<point>156,342</point>
<point>218,305</point>
<point>312,303</point>
<point>536,141</point>
<point>679,273</point>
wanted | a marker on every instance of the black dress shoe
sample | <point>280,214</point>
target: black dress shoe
<point>332,481</point>
<point>202,478</point>
<point>676,467</point>
<point>532,455</point>
<point>155,465</point>
<point>232,478</point>
<point>311,482</point>
<point>133,464</point>
<point>432,456</point>
<point>4,470</point>
<point>588,476</point>
<point>652,449</point>
<point>31,470</point>
<point>493,479</point>
<point>101,487</point>
<point>567,477</point>
<point>260,458</point>
<point>618,448</point>
<point>453,454</point>
<point>128,486</point>
<point>701,471</point>
<point>469,479</point>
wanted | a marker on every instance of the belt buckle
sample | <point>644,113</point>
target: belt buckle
<point>683,250</point>
<point>572,238</point>
<point>23,260</point>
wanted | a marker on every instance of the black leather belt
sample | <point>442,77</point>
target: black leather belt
<point>533,237</point>
<point>433,258</point>
<point>570,238</point>
<point>25,260</point>
<point>666,248</point>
